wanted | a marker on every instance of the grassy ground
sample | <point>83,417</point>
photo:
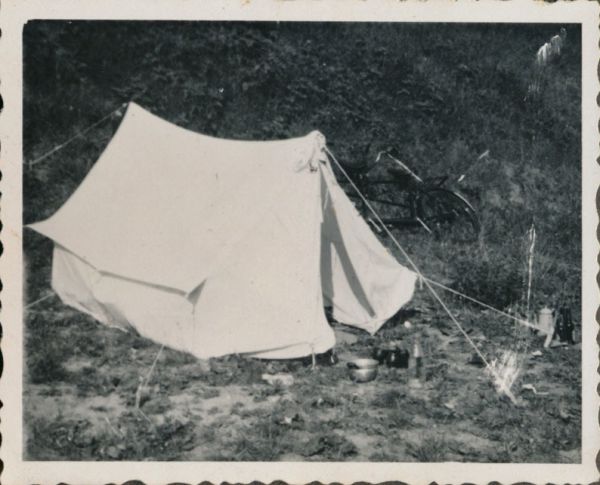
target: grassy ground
<point>442,95</point>
<point>81,405</point>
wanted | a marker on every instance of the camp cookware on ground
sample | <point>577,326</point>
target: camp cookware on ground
<point>545,321</point>
<point>393,354</point>
<point>398,358</point>
<point>362,369</point>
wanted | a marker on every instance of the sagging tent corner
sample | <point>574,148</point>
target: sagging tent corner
<point>215,246</point>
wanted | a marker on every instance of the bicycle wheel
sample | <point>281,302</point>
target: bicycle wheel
<point>448,215</point>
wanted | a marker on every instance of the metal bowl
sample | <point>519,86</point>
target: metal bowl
<point>362,363</point>
<point>363,375</point>
<point>362,369</point>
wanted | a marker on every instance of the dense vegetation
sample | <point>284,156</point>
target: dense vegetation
<point>441,94</point>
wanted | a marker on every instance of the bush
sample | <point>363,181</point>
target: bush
<point>497,281</point>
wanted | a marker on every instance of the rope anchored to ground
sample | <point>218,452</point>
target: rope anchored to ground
<point>498,379</point>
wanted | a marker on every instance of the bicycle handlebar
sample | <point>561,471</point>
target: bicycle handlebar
<point>400,164</point>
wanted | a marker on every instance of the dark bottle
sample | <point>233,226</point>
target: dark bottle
<point>402,356</point>
<point>416,371</point>
<point>380,354</point>
<point>565,326</point>
<point>418,354</point>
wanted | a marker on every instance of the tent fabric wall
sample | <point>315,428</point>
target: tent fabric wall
<point>172,319</point>
<point>361,280</point>
<point>215,246</point>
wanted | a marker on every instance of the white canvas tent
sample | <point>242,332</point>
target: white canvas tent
<point>216,246</point>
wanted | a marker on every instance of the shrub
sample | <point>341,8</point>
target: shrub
<point>497,280</point>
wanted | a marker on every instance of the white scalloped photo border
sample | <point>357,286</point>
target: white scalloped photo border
<point>13,16</point>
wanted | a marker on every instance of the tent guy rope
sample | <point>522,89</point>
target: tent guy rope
<point>531,237</point>
<point>39,300</point>
<point>41,158</point>
<point>434,293</point>
<point>523,322</point>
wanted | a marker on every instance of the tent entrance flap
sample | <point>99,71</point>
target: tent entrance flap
<point>361,280</point>
<point>342,287</point>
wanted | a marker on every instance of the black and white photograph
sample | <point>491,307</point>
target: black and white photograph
<point>303,241</point>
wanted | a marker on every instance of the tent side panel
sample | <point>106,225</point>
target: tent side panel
<point>155,313</point>
<point>362,281</point>
<point>73,281</point>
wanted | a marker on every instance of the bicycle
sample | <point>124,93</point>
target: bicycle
<point>402,198</point>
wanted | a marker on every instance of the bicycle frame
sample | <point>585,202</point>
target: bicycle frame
<point>417,193</point>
